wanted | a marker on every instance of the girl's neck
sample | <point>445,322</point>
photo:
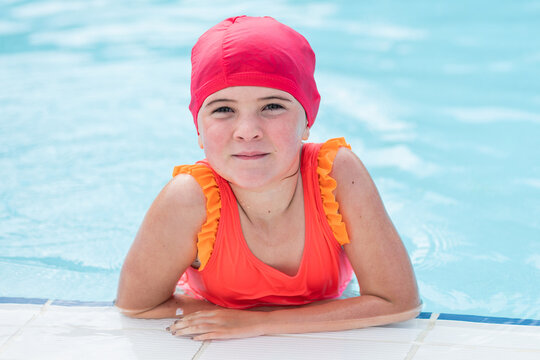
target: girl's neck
<point>264,206</point>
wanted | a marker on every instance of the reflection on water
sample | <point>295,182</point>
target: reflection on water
<point>433,248</point>
<point>440,104</point>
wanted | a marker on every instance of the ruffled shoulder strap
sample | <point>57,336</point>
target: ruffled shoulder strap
<point>207,235</point>
<point>325,160</point>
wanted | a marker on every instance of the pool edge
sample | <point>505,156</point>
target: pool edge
<point>423,315</point>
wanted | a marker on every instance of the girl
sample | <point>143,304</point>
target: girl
<point>265,233</point>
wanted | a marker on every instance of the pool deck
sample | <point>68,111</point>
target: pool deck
<point>47,329</point>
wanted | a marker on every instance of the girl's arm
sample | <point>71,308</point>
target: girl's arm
<point>388,287</point>
<point>164,247</point>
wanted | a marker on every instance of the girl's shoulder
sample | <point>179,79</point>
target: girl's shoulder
<point>184,190</point>
<point>193,186</point>
<point>350,172</point>
<point>355,189</point>
<point>181,203</point>
<point>202,184</point>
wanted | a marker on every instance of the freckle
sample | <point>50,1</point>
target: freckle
<point>353,181</point>
<point>269,211</point>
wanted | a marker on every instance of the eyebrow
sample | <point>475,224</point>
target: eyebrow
<point>259,99</point>
<point>219,100</point>
<point>275,97</point>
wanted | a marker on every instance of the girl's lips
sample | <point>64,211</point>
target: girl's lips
<point>249,155</point>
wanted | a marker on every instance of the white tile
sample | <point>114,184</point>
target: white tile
<point>6,332</point>
<point>293,348</point>
<point>409,324</point>
<point>61,332</point>
<point>486,335</point>
<point>406,331</point>
<point>16,314</point>
<point>459,352</point>
<point>107,318</point>
<point>13,317</point>
<point>58,343</point>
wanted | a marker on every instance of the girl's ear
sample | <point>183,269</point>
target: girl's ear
<point>199,138</point>
<point>305,134</point>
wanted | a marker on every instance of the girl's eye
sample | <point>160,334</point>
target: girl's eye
<point>273,107</point>
<point>223,109</point>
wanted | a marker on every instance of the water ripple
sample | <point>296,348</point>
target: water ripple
<point>55,263</point>
<point>434,247</point>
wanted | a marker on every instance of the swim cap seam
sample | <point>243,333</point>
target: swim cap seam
<point>222,60</point>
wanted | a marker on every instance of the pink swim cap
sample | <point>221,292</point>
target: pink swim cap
<point>253,51</point>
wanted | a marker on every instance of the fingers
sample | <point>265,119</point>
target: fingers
<point>218,324</point>
<point>194,324</point>
<point>191,329</point>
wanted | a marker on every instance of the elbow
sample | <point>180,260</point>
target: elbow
<point>404,304</point>
<point>401,310</point>
<point>413,311</point>
<point>409,314</point>
<point>134,314</point>
<point>130,313</point>
<point>409,307</point>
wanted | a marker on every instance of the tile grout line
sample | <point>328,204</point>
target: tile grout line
<point>420,338</point>
<point>203,347</point>
<point>17,333</point>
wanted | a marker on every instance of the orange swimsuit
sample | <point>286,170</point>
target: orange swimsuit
<point>231,276</point>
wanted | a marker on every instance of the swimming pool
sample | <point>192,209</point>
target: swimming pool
<point>439,100</point>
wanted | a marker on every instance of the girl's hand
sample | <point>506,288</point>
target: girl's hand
<point>220,324</point>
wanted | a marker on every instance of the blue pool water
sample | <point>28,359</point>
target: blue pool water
<point>440,99</point>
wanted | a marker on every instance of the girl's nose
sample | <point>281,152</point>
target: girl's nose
<point>247,128</point>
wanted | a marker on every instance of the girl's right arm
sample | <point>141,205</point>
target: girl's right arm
<point>164,247</point>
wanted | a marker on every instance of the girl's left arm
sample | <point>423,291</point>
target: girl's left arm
<point>388,286</point>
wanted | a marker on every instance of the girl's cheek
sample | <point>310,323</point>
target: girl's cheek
<point>213,146</point>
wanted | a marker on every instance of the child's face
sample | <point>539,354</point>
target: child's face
<point>252,136</point>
